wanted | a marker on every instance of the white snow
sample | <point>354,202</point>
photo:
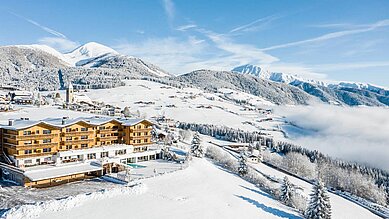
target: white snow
<point>201,191</point>
<point>88,51</point>
<point>341,208</point>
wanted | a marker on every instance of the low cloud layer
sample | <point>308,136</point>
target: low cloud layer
<point>355,134</point>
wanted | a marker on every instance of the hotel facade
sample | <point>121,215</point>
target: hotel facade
<point>52,151</point>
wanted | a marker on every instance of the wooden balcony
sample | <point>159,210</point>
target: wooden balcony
<point>108,138</point>
<point>32,146</point>
<point>79,133</point>
<point>34,155</point>
<point>30,137</point>
<point>78,141</point>
<point>106,131</point>
<point>140,137</point>
<point>141,130</point>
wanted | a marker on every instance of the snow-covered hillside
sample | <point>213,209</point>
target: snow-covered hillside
<point>338,93</point>
<point>86,52</point>
<point>203,190</point>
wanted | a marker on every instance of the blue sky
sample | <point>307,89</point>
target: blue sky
<point>331,40</point>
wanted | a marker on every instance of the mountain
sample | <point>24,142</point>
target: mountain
<point>348,93</point>
<point>87,52</point>
<point>275,92</point>
<point>89,66</point>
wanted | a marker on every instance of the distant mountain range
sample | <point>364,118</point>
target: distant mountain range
<point>349,93</point>
<point>97,66</point>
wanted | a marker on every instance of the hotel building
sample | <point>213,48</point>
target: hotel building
<point>52,151</point>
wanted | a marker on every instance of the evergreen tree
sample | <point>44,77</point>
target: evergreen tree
<point>319,206</point>
<point>286,192</point>
<point>196,148</point>
<point>242,169</point>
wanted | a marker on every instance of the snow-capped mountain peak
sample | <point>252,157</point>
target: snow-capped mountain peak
<point>267,74</point>
<point>88,51</point>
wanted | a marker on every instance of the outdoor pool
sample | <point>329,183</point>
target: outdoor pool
<point>136,166</point>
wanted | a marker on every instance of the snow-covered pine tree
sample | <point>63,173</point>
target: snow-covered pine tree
<point>242,169</point>
<point>196,148</point>
<point>319,206</point>
<point>286,192</point>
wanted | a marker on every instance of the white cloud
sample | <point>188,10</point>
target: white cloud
<point>248,53</point>
<point>168,5</point>
<point>60,44</point>
<point>351,133</point>
<point>45,28</point>
<point>255,25</point>
<point>333,35</point>
<point>186,27</point>
<point>171,54</point>
<point>351,65</point>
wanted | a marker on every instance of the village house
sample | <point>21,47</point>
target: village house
<point>57,150</point>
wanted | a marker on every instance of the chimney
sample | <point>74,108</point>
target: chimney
<point>11,122</point>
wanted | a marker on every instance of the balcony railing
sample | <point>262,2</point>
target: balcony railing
<point>140,137</point>
<point>77,133</point>
<point>107,138</point>
<point>33,155</point>
<point>28,137</point>
<point>77,141</point>
<point>105,131</point>
<point>32,146</point>
<point>140,130</point>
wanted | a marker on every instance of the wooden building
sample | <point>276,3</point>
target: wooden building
<point>28,144</point>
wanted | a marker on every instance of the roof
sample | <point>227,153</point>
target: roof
<point>61,122</point>
<point>57,171</point>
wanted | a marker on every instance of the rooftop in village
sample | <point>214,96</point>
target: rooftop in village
<point>23,123</point>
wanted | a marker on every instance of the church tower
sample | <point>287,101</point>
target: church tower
<point>69,94</point>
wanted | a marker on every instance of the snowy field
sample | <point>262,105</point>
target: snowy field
<point>201,191</point>
<point>11,195</point>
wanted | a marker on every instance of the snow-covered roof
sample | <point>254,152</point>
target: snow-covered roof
<point>57,171</point>
<point>64,122</point>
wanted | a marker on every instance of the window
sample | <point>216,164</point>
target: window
<point>120,152</point>
<point>115,127</point>
<point>133,141</point>
<point>68,138</point>
<point>133,134</point>
<point>68,129</point>
<point>28,152</point>
<point>84,145</point>
<point>37,132</point>
<point>91,156</point>
<point>26,132</point>
<point>102,135</point>
<point>139,126</point>
<point>104,154</point>
<point>101,127</point>
<point>84,129</point>
<point>138,141</point>
<point>84,137</point>
<point>103,143</point>
<point>69,147</point>
<point>27,142</point>
<point>146,140</point>
<point>28,162</point>
<point>46,132</point>
<point>46,150</point>
<point>46,141</point>
<point>146,133</point>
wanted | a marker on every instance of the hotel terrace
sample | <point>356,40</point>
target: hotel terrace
<point>53,151</point>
